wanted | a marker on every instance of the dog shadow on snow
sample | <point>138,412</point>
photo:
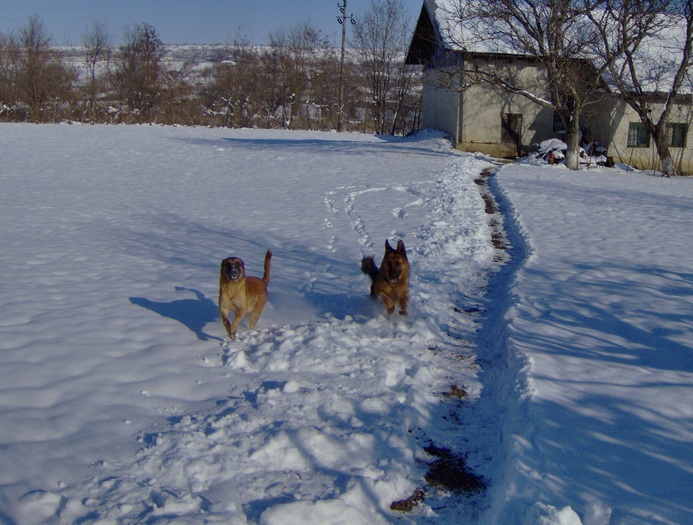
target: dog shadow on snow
<point>194,314</point>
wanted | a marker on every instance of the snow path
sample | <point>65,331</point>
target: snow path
<point>120,399</point>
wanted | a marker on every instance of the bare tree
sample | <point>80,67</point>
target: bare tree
<point>232,94</point>
<point>380,39</point>
<point>97,49</point>
<point>293,59</point>
<point>310,51</point>
<point>45,84</point>
<point>655,39</point>
<point>10,71</point>
<point>323,109</point>
<point>35,50</point>
<point>139,70</point>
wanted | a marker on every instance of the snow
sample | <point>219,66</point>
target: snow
<point>599,317</point>
<point>122,401</point>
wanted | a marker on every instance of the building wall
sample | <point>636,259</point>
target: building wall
<point>483,111</point>
<point>484,107</point>
<point>441,105</point>
<point>611,121</point>
<point>440,110</point>
<point>473,115</point>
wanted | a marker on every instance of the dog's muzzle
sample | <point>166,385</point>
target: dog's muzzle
<point>233,273</point>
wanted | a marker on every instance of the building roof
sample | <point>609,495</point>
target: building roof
<point>439,24</point>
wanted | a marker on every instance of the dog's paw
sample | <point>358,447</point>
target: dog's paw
<point>403,312</point>
<point>390,310</point>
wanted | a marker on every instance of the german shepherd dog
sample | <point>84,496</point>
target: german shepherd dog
<point>241,294</point>
<point>391,280</point>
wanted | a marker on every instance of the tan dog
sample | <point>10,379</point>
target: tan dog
<point>391,280</point>
<point>241,294</point>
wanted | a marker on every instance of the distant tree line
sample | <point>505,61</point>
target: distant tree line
<point>292,82</point>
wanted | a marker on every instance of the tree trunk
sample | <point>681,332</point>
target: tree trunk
<point>656,131</point>
<point>572,154</point>
<point>662,145</point>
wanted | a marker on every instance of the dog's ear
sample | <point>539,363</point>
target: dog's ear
<point>401,249</point>
<point>388,248</point>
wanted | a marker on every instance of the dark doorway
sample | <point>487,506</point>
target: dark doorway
<point>511,134</point>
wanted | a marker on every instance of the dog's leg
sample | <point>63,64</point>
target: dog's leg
<point>255,315</point>
<point>240,314</point>
<point>225,320</point>
<point>230,327</point>
<point>403,303</point>
<point>388,303</point>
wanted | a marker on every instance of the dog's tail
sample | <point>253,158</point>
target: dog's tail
<point>266,275</point>
<point>369,267</point>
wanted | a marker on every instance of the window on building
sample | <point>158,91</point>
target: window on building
<point>638,137</point>
<point>676,135</point>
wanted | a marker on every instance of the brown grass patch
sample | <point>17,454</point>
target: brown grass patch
<point>455,391</point>
<point>407,505</point>
<point>450,472</point>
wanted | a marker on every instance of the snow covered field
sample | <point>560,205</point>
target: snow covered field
<point>564,376</point>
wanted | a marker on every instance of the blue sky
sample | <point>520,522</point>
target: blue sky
<point>182,21</point>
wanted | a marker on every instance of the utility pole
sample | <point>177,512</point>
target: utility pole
<point>342,18</point>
